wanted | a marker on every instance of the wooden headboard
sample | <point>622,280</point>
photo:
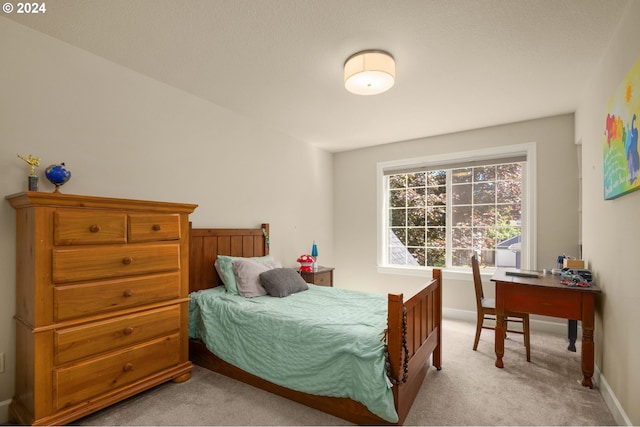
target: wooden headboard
<point>207,243</point>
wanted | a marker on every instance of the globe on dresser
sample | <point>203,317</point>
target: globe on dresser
<point>57,175</point>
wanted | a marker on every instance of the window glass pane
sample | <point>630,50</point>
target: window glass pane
<point>437,216</point>
<point>461,215</point>
<point>461,194</point>
<point>397,255</point>
<point>397,217</point>
<point>398,237</point>
<point>461,257</point>
<point>509,215</point>
<point>488,258</point>
<point>484,215</point>
<point>438,177</point>
<point>461,237</point>
<point>397,198</point>
<point>415,217</point>
<point>417,254</point>
<point>397,181</point>
<point>437,237</point>
<point>485,173</point>
<point>415,197</point>
<point>416,179</point>
<point>504,236</point>
<point>511,171</point>
<point>483,238</point>
<point>437,196</point>
<point>415,237</point>
<point>484,192</point>
<point>436,257</point>
<point>461,175</point>
<point>509,192</point>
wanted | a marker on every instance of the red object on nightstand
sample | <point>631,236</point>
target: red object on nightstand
<point>306,263</point>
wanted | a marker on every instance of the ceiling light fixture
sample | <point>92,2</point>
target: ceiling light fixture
<point>369,72</point>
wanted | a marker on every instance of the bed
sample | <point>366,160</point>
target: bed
<point>413,331</point>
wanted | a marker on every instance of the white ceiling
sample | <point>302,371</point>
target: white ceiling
<point>461,64</point>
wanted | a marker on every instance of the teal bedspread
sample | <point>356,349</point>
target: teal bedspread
<point>323,341</point>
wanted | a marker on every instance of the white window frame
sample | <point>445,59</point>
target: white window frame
<point>529,199</point>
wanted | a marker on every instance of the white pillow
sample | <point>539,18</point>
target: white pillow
<point>224,269</point>
<point>246,272</point>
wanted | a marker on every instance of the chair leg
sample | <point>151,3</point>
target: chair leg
<point>478,330</point>
<point>527,339</point>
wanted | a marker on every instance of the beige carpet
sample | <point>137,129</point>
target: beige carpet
<point>468,390</point>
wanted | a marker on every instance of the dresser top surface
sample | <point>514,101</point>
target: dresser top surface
<point>39,198</point>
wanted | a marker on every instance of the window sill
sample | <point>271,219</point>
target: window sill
<point>426,272</point>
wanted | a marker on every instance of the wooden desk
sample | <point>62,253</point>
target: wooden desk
<point>546,296</point>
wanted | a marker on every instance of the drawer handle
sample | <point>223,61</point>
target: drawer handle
<point>128,293</point>
<point>94,228</point>
<point>156,227</point>
<point>128,367</point>
<point>127,260</point>
<point>128,331</point>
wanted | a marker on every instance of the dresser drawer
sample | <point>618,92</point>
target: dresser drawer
<point>81,227</point>
<point>72,301</point>
<point>153,227</point>
<point>90,263</point>
<point>100,337</point>
<point>110,372</point>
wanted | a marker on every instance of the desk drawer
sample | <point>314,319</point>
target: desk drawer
<point>89,227</point>
<point>91,263</point>
<point>100,337</point>
<point>78,300</point>
<point>547,302</point>
<point>110,372</point>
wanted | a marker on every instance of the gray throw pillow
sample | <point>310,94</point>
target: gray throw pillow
<point>281,282</point>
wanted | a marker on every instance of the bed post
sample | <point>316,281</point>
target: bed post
<point>394,334</point>
<point>437,352</point>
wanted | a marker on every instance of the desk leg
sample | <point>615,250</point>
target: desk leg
<point>588,315</point>
<point>500,324</point>
<point>573,334</point>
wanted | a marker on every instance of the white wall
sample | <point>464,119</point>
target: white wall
<point>355,201</point>
<point>610,233</point>
<point>124,135</point>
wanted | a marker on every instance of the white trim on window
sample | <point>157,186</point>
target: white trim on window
<point>529,201</point>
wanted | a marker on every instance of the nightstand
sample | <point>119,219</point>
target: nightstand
<point>323,276</point>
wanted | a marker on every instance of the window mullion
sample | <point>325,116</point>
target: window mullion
<point>449,221</point>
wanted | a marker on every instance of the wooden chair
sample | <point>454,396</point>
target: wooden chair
<point>486,308</point>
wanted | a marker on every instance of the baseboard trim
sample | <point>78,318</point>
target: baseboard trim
<point>4,411</point>
<point>611,400</point>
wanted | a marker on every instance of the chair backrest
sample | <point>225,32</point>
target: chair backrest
<point>477,282</point>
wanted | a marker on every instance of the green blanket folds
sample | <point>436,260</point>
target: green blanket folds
<point>323,341</point>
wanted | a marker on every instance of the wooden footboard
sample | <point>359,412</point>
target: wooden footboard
<point>413,329</point>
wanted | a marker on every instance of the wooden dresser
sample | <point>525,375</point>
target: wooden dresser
<point>101,302</point>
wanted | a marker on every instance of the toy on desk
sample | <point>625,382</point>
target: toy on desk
<point>576,277</point>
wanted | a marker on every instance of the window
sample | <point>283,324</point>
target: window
<point>439,211</point>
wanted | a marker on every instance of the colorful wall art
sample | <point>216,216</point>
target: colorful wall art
<point>620,147</point>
